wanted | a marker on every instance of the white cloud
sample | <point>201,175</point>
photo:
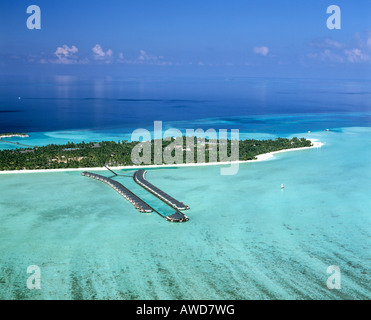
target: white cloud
<point>66,55</point>
<point>99,54</point>
<point>144,58</point>
<point>326,55</point>
<point>335,51</point>
<point>70,55</point>
<point>150,59</point>
<point>121,58</point>
<point>66,51</point>
<point>356,55</point>
<point>327,43</point>
<point>369,42</point>
<point>263,51</point>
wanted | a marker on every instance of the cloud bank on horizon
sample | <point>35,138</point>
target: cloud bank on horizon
<point>330,50</point>
<point>217,34</point>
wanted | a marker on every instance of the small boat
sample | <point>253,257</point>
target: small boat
<point>282,186</point>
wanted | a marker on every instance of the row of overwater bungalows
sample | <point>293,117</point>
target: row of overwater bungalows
<point>126,193</point>
<point>139,177</point>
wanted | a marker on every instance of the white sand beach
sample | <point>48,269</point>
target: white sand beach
<point>260,157</point>
<point>266,156</point>
<point>14,135</point>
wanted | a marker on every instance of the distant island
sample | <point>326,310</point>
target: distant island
<point>117,154</point>
<point>15,134</point>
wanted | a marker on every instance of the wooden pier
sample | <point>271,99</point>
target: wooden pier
<point>17,143</point>
<point>126,193</point>
<point>137,202</point>
<point>139,177</point>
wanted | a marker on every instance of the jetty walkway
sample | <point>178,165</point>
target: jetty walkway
<point>16,143</point>
<point>139,178</point>
<point>126,193</point>
<point>137,202</point>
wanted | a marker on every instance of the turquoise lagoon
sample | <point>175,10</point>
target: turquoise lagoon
<point>246,238</point>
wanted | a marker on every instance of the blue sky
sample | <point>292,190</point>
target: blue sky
<point>228,38</point>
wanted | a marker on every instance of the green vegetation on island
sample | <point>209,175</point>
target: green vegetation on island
<point>86,155</point>
<point>13,134</point>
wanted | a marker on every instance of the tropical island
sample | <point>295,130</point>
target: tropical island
<point>13,134</point>
<point>117,154</point>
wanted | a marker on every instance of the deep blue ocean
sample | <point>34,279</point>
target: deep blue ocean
<point>122,105</point>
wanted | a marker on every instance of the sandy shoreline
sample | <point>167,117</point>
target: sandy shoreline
<point>260,157</point>
<point>15,135</point>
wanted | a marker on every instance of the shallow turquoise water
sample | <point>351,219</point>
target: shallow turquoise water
<point>246,238</point>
